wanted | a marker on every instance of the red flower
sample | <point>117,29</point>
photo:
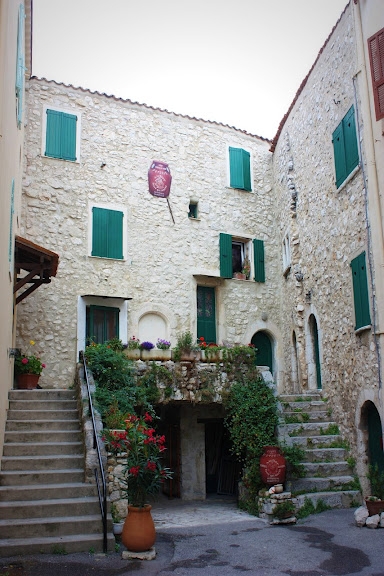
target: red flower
<point>147,417</point>
<point>24,361</point>
<point>134,470</point>
<point>151,466</point>
<point>202,338</point>
<point>161,439</point>
<point>43,365</point>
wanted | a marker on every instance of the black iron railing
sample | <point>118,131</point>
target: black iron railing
<point>100,479</point>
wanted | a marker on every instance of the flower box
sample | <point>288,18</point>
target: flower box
<point>156,354</point>
<point>133,353</point>
<point>208,355</point>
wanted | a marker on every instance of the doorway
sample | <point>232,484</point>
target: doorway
<point>264,355</point>
<point>206,314</point>
<point>221,467</point>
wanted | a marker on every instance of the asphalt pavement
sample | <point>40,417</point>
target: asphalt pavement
<point>214,538</point>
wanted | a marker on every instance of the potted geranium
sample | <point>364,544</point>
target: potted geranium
<point>133,348</point>
<point>143,475</point>
<point>375,502</point>
<point>28,368</point>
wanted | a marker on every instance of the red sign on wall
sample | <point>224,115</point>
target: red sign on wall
<point>159,179</point>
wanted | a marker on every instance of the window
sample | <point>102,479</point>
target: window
<point>286,254</point>
<point>192,211</point>
<point>20,66</point>
<point>107,233</point>
<point>360,292</point>
<point>102,323</point>
<point>240,169</point>
<point>61,135</point>
<point>345,147</point>
<point>235,255</point>
<point>376,57</point>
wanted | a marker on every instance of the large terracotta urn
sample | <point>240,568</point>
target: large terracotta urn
<point>272,466</point>
<point>139,533</point>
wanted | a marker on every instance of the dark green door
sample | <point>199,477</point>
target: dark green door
<point>263,345</point>
<point>375,438</point>
<point>206,314</point>
<point>316,349</point>
<point>102,324</point>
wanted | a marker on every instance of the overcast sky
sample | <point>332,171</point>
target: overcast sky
<point>236,62</point>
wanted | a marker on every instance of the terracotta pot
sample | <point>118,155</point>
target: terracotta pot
<point>27,381</point>
<point>272,466</point>
<point>139,532</point>
<point>374,506</point>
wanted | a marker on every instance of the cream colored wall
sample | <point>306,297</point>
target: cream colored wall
<point>11,156</point>
<point>164,261</point>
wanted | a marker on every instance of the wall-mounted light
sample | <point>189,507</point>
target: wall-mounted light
<point>299,276</point>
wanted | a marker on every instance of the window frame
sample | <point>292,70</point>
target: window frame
<point>377,65</point>
<point>193,214</point>
<point>230,175</point>
<point>345,151</point>
<point>72,112</point>
<point>252,248</point>
<point>109,207</point>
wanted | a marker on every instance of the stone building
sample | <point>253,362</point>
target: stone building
<point>304,209</point>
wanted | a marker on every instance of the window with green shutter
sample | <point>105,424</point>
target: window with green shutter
<point>360,291</point>
<point>60,139</point>
<point>240,169</point>
<point>107,233</point>
<point>225,255</point>
<point>102,324</point>
<point>258,256</point>
<point>345,147</point>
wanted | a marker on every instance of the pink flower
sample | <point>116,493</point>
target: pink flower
<point>24,361</point>
<point>43,365</point>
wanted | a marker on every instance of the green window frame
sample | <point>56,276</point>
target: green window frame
<point>226,264</point>
<point>360,292</point>
<point>60,139</point>
<point>240,169</point>
<point>345,148</point>
<point>20,66</point>
<point>107,233</point>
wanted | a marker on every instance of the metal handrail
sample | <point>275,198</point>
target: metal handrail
<point>101,490</point>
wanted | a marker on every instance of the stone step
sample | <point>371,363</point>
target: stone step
<point>43,414</point>
<point>12,449</point>
<point>341,499</point>
<point>39,463</point>
<point>58,526</point>
<point>46,491</point>
<point>314,484</point>
<point>308,428</point>
<point>304,416</point>
<point>313,406</point>
<point>55,545</point>
<point>325,454</point>
<point>300,398</point>
<point>20,478</point>
<point>325,469</point>
<point>35,425</point>
<point>43,405</point>
<point>316,441</point>
<point>22,509</point>
<point>44,394</point>
<point>36,436</point>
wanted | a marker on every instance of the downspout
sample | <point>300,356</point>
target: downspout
<point>372,173</point>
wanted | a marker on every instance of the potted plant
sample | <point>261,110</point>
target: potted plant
<point>28,368</point>
<point>375,502</point>
<point>143,475</point>
<point>209,352</point>
<point>246,268</point>
<point>133,348</point>
<point>146,349</point>
<point>163,349</point>
<point>186,349</point>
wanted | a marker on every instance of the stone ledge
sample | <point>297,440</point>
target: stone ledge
<point>147,555</point>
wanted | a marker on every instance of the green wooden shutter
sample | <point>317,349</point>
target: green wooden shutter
<point>225,255</point>
<point>240,168</point>
<point>68,136</point>
<point>61,135</point>
<point>339,155</point>
<point>350,141</point>
<point>107,233</point>
<point>258,256</point>
<point>20,65</point>
<point>360,291</point>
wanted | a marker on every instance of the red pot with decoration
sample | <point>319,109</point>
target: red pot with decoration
<point>159,179</point>
<point>272,466</point>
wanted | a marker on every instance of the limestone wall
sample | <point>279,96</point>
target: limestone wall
<point>327,228</point>
<point>163,260</point>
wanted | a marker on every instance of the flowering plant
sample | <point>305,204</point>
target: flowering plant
<point>203,344</point>
<point>146,346</point>
<point>144,471</point>
<point>246,267</point>
<point>28,363</point>
<point>133,343</point>
<point>163,344</point>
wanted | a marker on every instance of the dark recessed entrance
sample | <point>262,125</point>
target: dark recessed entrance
<point>221,467</point>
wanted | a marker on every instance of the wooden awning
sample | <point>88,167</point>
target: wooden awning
<point>38,263</point>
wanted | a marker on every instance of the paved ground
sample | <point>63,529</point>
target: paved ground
<point>213,538</point>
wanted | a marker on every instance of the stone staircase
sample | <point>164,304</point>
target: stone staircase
<point>45,505</point>
<point>305,421</point>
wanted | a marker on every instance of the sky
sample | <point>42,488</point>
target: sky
<point>235,62</point>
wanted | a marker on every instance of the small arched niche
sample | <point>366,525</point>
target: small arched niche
<point>264,353</point>
<point>152,326</point>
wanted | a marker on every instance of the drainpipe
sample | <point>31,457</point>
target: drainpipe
<point>370,175</point>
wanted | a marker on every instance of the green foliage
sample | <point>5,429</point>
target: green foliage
<point>185,344</point>
<point>294,456</point>
<point>332,430</point>
<point>240,358</point>
<point>252,481</point>
<point>59,550</point>
<point>284,509</point>
<point>148,390</point>
<point>309,508</point>
<point>110,368</point>
<point>351,461</point>
<point>376,478</point>
<point>303,399</point>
